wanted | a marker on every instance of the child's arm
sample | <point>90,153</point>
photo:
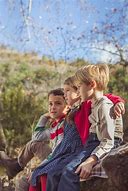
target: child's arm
<point>40,132</point>
<point>115,99</point>
<point>42,122</point>
<point>119,108</point>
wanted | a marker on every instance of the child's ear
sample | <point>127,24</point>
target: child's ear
<point>93,84</point>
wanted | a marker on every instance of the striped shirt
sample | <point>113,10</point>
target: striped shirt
<point>46,131</point>
<point>57,132</point>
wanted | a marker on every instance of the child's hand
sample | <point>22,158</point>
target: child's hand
<point>47,115</point>
<point>119,109</point>
<point>66,109</point>
<point>84,169</point>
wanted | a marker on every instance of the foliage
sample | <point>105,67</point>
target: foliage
<point>21,110</point>
<point>119,86</point>
<point>119,82</point>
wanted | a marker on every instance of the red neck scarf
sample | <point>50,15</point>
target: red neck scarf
<point>82,121</point>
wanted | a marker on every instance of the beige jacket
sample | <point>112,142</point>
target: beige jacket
<point>104,125</point>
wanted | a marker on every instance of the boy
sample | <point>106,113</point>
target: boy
<point>39,145</point>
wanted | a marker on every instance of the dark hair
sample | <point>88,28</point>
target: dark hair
<point>57,92</point>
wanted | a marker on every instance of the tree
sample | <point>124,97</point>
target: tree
<point>62,37</point>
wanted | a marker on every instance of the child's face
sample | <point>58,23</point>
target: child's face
<point>85,91</point>
<point>71,95</point>
<point>56,106</point>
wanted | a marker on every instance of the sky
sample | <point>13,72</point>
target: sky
<point>60,29</point>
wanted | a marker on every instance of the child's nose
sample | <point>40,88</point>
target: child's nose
<point>53,106</point>
<point>65,95</point>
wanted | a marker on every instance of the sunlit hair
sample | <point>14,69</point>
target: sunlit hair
<point>99,73</point>
<point>71,82</point>
<point>57,92</point>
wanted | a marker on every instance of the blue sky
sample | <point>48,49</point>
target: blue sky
<point>59,29</point>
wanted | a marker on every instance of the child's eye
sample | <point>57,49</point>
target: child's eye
<point>58,103</point>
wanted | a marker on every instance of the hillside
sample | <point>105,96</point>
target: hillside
<point>27,77</point>
<point>24,83</point>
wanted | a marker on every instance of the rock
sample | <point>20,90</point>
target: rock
<point>116,167</point>
<point>97,184</point>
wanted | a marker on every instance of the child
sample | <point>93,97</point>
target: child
<point>39,145</point>
<point>69,147</point>
<point>103,136</point>
<point>56,117</point>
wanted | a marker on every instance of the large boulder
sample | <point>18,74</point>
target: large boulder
<point>116,167</point>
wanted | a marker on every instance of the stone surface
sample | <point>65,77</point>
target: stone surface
<point>116,166</point>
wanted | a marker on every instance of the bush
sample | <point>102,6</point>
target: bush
<point>21,110</point>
